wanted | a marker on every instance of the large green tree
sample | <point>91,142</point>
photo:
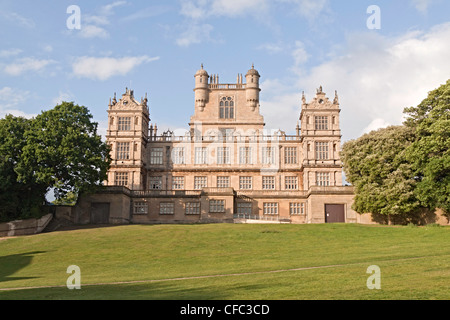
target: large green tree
<point>377,166</point>
<point>429,154</point>
<point>59,149</point>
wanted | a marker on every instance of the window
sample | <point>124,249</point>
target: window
<point>323,179</point>
<point>200,183</point>
<point>223,182</point>
<point>270,208</point>
<point>297,208</point>
<point>321,123</point>
<point>201,155</point>
<point>192,208</point>
<point>156,156</point>
<point>177,183</point>
<point>123,150</point>
<point>226,108</point>
<point>124,123</point>
<point>268,155</point>
<point>226,133</point>
<point>140,207</point>
<point>155,183</point>
<point>166,208</point>
<point>290,155</point>
<point>291,183</point>
<point>322,150</point>
<point>245,155</point>
<point>245,183</point>
<point>223,155</point>
<point>216,206</point>
<point>244,208</point>
<point>121,179</point>
<point>268,183</point>
<point>178,155</point>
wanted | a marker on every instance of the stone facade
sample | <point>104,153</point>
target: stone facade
<point>227,165</point>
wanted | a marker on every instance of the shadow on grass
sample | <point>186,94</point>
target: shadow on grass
<point>142,291</point>
<point>13,263</point>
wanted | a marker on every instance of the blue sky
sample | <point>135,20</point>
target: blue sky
<point>157,46</point>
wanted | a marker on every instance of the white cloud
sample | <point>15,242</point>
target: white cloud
<point>105,68</point>
<point>18,19</point>
<point>9,52</point>
<point>376,124</point>
<point>195,33</point>
<point>12,99</point>
<point>422,5</point>
<point>376,78</point>
<point>92,31</point>
<point>62,96</point>
<point>25,65</point>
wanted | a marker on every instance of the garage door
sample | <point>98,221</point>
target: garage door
<point>335,213</point>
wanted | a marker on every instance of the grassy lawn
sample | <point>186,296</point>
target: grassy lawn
<point>226,261</point>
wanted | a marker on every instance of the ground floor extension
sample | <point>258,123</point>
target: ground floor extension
<point>119,205</point>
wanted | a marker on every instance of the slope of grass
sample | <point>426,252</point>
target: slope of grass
<point>414,262</point>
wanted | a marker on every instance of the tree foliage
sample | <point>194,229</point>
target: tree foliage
<point>430,152</point>
<point>376,165</point>
<point>59,149</point>
<point>402,170</point>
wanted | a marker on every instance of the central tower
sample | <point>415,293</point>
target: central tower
<point>226,107</point>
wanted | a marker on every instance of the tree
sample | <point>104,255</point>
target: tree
<point>376,165</point>
<point>19,197</point>
<point>429,154</point>
<point>59,149</point>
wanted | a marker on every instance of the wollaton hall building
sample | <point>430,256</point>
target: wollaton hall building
<point>226,167</point>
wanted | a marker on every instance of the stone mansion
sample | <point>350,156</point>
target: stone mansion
<point>227,167</point>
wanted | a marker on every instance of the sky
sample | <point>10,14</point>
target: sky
<point>380,55</point>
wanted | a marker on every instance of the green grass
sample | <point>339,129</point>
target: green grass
<point>414,262</point>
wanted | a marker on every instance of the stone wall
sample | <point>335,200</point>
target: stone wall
<point>24,227</point>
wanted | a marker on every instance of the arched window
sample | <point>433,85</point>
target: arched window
<point>226,108</point>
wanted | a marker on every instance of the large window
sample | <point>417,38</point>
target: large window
<point>124,124</point>
<point>290,155</point>
<point>201,155</point>
<point>178,155</point>
<point>156,156</point>
<point>216,206</point>
<point>270,208</point>
<point>291,183</point>
<point>123,150</point>
<point>244,208</point>
<point>322,150</point>
<point>121,178</point>
<point>155,183</point>
<point>297,208</point>
<point>223,155</point>
<point>268,155</point>
<point>166,208</point>
<point>226,108</point>
<point>321,123</point>
<point>177,183</point>
<point>192,208</point>
<point>268,183</point>
<point>323,179</point>
<point>245,155</point>
<point>245,183</point>
<point>140,207</point>
<point>200,183</point>
<point>223,182</point>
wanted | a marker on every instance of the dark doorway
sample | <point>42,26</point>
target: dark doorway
<point>99,213</point>
<point>334,213</point>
